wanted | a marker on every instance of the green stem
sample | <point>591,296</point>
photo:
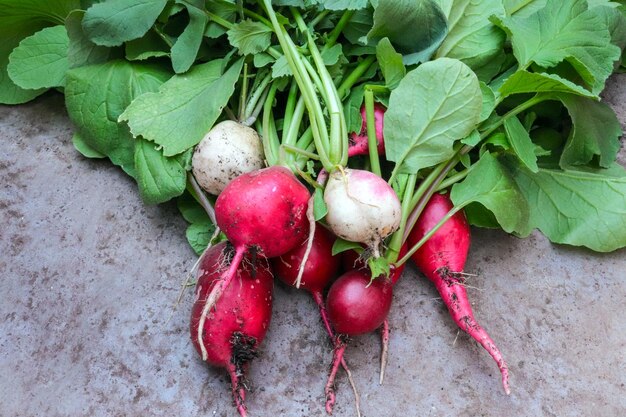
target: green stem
<point>338,137</point>
<point>317,19</point>
<point>244,93</point>
<point>354,76</point>
<point>271,144</point>
<point>336,32</point>
<point>396,241</point>
<point>429,234</point>
<point>372,140</point>
<point>246,12</point>
<point>514,112</point>
<point>290,108</point>
<point>256,98</point>
<point>220,20</point>
<point>452,179</point>
<point>300,151</point>
<point>291,135</point>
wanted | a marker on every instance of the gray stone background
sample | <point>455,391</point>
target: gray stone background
<point>89,277</point>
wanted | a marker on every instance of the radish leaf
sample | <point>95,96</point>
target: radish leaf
<point>250,37</point>
<point>489,184</point>
<point>576,207</point>
<point>471,38</point>
<point>160,178</point>
<point>564,31</point>
<point>595,131</point>
<point>521,143</point>
<point>185,107</point>
<point>415,28</point>
<point>40,60</point>
<point>114,22</point>
<point>531,82</point>
<point>119,82</point>
<point>185,49</point>
<point>435,105</point>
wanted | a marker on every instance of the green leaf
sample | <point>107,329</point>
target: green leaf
<point>250,37</point>
<point>191,210</point>
<point>379,267</point>
<point>358,26</point>
<point>489,184</point>
<point>19,19</point>
<point>185,108</point>
<point>415,28</point>
<point>489,101</point>
<point>151,45</point>
<point>595,131</point>
<point>319,205</point>
<point>84,148</point>
<point>40,60</point>
<point>523,8</point>
<point>160,178</point>
<point>81,51</point>
<point>118,83</point>
<point>390,63</point>
<point>564,31</point>
<point>331,55</point>
<point>213,29</point>
<point>342,245</point>
<point>199,236</point>
<point>521,143</point>
<point>114,22</point>
<point>472,139</point>
<point>352,109</point>
<point>262,59</point>
<point>531,82</point>
<point>576,207</point>
<point>471,37</point>
<point>435,105</point>
<point>185,49</point>
<point>343,4</point>
<point>281,68</point>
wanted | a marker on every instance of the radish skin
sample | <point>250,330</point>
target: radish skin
<point>229,336</point>
<point>227,151</point>
<point>362,207</point>
<point>357,142</point>
<point>442,260</point>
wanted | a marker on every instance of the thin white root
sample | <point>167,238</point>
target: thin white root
<point>214,296</point>
<point>357,397</point>
<point>309,245</point>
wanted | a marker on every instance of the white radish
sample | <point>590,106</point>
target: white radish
<point>227,151</point>
<point>362,207</point>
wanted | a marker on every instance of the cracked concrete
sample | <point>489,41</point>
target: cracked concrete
<point>89,277</point>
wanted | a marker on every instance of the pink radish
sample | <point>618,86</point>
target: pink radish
<point>356,305</point>
<point>230,334</point>
<point>442,259</point>
<point>357,142</point>
<point>362,207</point>
<point>262,212</point>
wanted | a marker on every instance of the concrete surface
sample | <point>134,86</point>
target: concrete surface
<point>89,276</point>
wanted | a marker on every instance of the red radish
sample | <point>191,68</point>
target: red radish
<point>320,268</point>
<point>231,333</point>
<point>358,144</point>
<point>362,207</point>
<point>356,305</point>
<point>263,212</point>
<point>442,260</point>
